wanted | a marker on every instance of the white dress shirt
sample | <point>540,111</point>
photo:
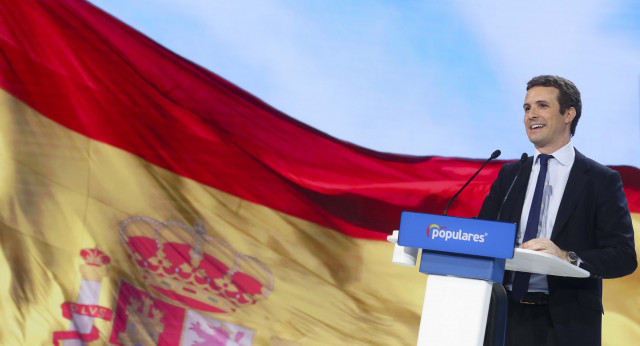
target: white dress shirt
<point>557,176</point>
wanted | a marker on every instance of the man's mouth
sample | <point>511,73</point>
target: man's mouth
<point>537,126</point>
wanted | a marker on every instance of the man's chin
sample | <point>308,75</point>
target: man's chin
<point>534,139</point>
<point>539,144</point>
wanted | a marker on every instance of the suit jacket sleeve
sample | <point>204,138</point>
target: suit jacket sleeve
<point>614,252</point>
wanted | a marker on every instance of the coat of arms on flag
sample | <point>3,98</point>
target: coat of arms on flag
<point>187,271</point>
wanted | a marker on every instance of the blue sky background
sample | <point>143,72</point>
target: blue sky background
<point>416,77</point>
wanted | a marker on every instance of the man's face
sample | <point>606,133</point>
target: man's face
<point>547,128</point>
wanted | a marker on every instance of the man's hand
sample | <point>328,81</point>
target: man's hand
<point>545,245</point>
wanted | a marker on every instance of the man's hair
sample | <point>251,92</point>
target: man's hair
<point>568,94</point>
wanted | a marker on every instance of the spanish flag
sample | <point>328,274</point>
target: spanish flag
<point>145,200</point>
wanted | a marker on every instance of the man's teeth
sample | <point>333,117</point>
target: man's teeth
<point>536,126</point>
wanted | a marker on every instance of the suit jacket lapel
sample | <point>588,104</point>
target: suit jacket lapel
<point>572,192</point>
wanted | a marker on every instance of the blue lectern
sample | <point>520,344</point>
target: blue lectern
<point>463,258</point>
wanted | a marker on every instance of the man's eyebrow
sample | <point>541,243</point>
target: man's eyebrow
<point>536,101</point>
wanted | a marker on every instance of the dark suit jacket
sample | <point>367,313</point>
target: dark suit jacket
<point>593,220</point>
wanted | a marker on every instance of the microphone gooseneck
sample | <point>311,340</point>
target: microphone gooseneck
<point>494,155</point>
<point>523,158</point>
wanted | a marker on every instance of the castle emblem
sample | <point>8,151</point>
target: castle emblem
<point>144,324</point>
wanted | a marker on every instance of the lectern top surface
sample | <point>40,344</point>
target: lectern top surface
<point>537,262</point>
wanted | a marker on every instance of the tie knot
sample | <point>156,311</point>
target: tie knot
<point>544,159</point>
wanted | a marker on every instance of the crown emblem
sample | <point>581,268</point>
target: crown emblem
<point>94,267</point>
<point>198,271</point>
<point>94,257</point>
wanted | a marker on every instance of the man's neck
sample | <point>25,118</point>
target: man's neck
<point>552,148</point>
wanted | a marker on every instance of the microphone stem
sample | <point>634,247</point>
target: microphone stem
<point>465,185</point>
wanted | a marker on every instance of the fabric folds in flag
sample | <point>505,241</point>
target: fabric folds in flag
<point>146,200</point>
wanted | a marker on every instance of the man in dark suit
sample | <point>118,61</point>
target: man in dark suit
<point>579,214</point>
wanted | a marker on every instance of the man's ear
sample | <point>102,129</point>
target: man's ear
<point>569,114</point>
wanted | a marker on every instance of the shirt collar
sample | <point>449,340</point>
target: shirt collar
<point>565,155</point>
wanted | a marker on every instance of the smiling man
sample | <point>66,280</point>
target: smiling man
<point>566,205</point>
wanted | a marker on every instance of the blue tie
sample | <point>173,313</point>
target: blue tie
<point>521,279</point>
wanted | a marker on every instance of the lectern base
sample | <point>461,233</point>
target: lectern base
<point>454,311</point>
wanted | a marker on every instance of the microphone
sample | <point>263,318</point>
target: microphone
<point>494,155</point>
<point>523,158</point>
